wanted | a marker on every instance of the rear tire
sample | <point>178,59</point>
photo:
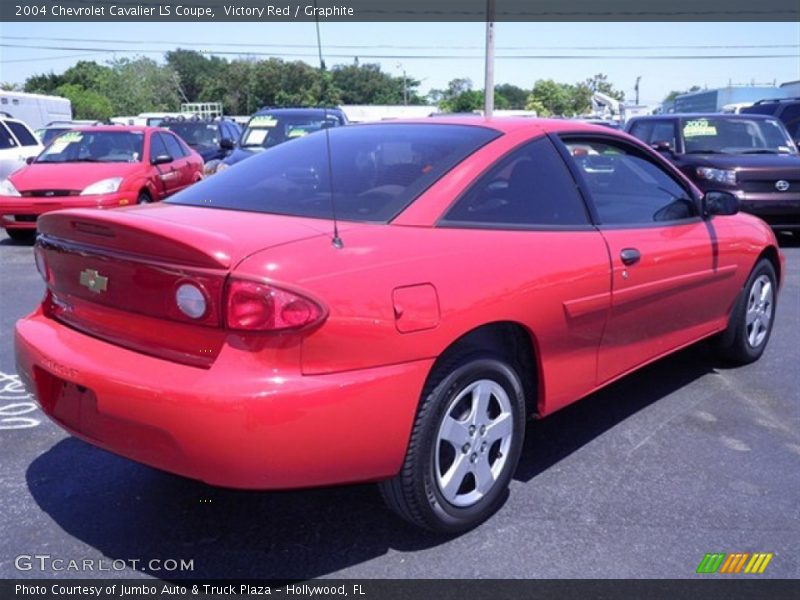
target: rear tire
<point>464,446</point>
<point>22,235</point>
<point>751,321</point>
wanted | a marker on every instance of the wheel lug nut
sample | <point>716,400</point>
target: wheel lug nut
<point>483,429</point>
<point>472,429</point>
<point>483,447</point>
<point>473,458</point>
<point>465,448</point>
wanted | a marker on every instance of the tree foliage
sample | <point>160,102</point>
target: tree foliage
<point>243,85</point>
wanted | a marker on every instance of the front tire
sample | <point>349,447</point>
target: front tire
<point>143,198</point>
<point>750,326</point>
<point>464,446</point>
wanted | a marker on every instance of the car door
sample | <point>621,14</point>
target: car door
<point>554,266</point>
<point>180,162</point>
<point>670,286</point>
<point>166,175</point>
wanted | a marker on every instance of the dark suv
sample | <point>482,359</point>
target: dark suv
<point>785,109</point>
<point>272,126</point>
<point>751,156</point>
<point>212,139</point>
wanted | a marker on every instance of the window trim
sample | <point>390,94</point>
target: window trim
<point>444,223</point>
<point>641,150</point>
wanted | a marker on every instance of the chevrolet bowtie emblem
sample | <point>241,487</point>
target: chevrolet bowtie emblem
<point>94,281</point>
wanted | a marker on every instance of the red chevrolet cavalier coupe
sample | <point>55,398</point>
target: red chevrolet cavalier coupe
<point>97,167</point>
<point>482,273</point>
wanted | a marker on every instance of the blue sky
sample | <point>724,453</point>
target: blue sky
<point>444,39</point>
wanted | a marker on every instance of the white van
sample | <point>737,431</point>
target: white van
<point>37,110</point>
<point>17,143</point>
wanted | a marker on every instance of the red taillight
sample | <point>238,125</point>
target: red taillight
<point>256,306</point>
<point>41,263</point>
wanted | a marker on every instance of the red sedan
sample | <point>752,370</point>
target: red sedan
<point>481,273</point>
<point>97,167</point>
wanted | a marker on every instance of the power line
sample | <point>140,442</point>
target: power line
<point>20,60</point>
<point>409,47</point>
<point>434,56</point>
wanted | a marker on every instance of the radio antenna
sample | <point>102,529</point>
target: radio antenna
<point>336,241</point>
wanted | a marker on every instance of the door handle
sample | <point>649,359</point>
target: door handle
<point>629,256</point>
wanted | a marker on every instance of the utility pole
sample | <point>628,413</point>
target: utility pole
<point>405,83</point>
<point>636,87</point>
<point>488,89</point>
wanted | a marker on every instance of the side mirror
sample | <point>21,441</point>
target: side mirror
<point>29,160</point>
<point>161,159</point>
<point>227,144</point>
<point>720,203</point>
<point>661,146</point>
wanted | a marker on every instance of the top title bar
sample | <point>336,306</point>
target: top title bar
<point>398,10</point>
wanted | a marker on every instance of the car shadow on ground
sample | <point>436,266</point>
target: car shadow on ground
<point>128,511</point>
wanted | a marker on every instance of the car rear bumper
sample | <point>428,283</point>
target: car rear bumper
<point>238,424</point>
<point>22,212</point>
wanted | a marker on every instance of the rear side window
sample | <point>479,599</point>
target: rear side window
<point>651,132</point>
<point>25,137</point>
<point>173,147</point>
<point>531,186</point>
<point>157,147</point>
<point>628,189</point>
<point>377,170</point>
<point>6,139</point>
<point>791,118</point>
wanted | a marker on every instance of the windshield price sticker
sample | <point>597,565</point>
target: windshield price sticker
<point>69,137</point>
<point>698,127</point>
<point>263,121</point>
<point>296,133</point>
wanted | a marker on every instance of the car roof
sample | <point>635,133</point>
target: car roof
<point>130,128</point>
<point>312,110</point>
<point>502,124</point>
<point>700,116</point>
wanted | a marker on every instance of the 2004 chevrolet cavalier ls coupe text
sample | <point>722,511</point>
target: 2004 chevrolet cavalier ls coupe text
<point>488,272</point>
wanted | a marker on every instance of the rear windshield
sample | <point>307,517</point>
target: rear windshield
<point>195,134</point>
<point>377,171</point>
<point>265,131</point>
<point>52,133</point>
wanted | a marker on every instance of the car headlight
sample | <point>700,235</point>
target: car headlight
<point>221,166</point>
<point>7,188</point>
<point>725,176</point>
<point>104,186</point>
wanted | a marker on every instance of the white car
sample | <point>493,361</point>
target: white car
<point>17,144</point>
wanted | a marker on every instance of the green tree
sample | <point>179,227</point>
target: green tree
<point>552,98</point>
<point>193,69</point>
<point>600,83</point>
<point>45,83</point>
<point>367,84</point>
<point>86,104</point>
<point>510,96</point>
<point>675,93</point>
<point>140,85</point>
<point>458,97</point>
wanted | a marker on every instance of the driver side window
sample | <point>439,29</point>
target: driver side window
<point>628,189</point>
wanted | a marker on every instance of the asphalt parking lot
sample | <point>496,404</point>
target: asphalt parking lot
<point>640,480</point>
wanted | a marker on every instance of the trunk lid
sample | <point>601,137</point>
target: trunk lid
<point>114,274</point>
